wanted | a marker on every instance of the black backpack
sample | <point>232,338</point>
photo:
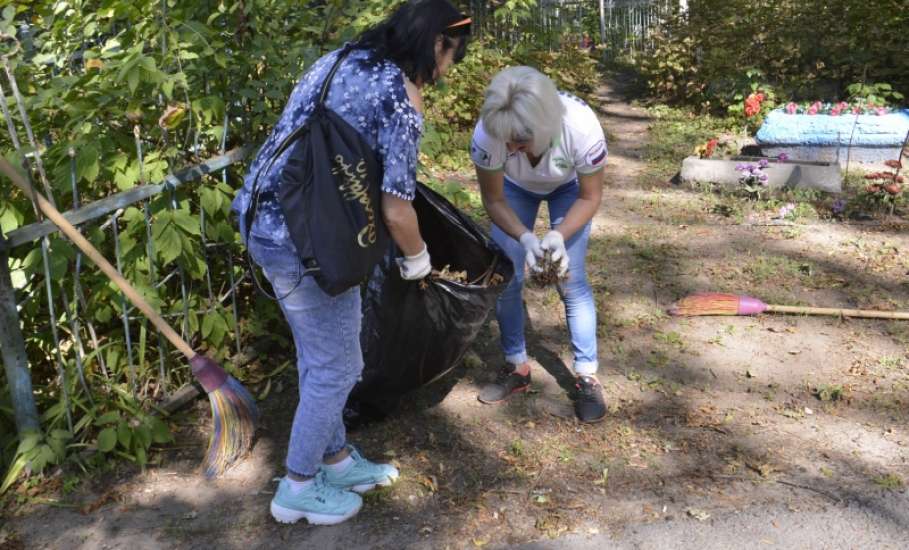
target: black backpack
<point>330,195</point>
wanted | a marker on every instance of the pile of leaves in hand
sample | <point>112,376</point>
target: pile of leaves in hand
<point>547,273</point>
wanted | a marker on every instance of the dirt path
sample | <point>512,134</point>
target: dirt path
<point>708,416</point>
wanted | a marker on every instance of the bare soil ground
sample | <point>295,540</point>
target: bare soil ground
<point>708,416</point>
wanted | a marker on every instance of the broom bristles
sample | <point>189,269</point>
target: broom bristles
<point>713,303</point>
<point>234,415</point>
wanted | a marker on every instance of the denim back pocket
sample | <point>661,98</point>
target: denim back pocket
<point>274,258</point>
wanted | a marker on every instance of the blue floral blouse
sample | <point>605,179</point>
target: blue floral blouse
<point>369,94</point>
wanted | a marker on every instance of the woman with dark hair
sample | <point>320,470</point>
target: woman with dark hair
<point>376,89</point>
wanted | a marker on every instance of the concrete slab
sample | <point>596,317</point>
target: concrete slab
<point>823,176</point>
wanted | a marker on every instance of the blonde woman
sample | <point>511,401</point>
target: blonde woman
<point>534,144</point>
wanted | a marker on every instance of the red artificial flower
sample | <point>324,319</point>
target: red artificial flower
<point>753,104</point>
<point>893,163</point>
<point>711,147</point>
<point>893,188</point>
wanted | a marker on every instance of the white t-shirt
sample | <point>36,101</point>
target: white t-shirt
<point>579,149</point>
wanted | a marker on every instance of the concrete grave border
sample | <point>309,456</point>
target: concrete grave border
<point>788,174</point>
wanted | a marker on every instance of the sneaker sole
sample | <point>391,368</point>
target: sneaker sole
<point>522,389</point>
<point>370,486</point>
<point>592,420</point>
<point>288,515</point>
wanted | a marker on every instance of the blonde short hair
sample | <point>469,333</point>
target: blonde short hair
<point>522,104</point>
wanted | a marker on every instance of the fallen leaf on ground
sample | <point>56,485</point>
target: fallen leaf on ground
<point>698,514</point>
<point>110,495</point>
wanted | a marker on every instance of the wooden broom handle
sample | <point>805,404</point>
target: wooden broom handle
<point>836,312</point>
<point>86,247</point>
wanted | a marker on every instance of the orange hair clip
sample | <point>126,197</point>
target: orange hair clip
<point>461,23</point>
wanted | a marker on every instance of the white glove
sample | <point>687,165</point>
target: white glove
<point>531,245</point>
<point>414,268</point>
<point>554,242</point>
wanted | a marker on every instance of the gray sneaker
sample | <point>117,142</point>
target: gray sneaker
<point>507,383</point>
<point>589,404</point>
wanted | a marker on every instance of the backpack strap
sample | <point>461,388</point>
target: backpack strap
<point>290,139</point>
<point>331,74</point>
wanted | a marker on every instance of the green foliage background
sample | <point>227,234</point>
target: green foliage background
<point>807,49</point>
<point>121,93</point>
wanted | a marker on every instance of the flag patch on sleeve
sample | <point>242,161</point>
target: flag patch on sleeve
<point>479,155</point>
<point>596,155</point>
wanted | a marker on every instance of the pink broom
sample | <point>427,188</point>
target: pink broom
<point>714,303</point>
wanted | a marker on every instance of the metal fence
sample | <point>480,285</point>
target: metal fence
<point>626,27</point>
<point>75,336</point>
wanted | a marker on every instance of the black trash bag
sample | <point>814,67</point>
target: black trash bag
<point>415,332</point>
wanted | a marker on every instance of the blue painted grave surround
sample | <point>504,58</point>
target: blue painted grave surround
<point>827,138</point>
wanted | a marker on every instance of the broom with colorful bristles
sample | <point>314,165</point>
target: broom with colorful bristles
<point>715,303</point>
<point>233,409</point>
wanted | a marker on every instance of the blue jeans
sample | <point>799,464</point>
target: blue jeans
<point>576,294</point>
<point>326,333</point>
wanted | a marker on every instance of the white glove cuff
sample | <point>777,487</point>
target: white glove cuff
<point>527,239</point>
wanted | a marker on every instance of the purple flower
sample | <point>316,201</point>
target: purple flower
<point>741,167</point>
<point>783,157</point>
<point>838,206</point>
<point>763,163</point>
<point>763,177</point>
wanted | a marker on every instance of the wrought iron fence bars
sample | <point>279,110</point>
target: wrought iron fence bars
<point>20,104</point>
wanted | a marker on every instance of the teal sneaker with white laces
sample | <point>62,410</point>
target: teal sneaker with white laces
<point>362,475</point>
<point>318,502</point>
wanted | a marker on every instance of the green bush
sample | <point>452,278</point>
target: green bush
<point>808,49</point>
<point>457,102</point>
